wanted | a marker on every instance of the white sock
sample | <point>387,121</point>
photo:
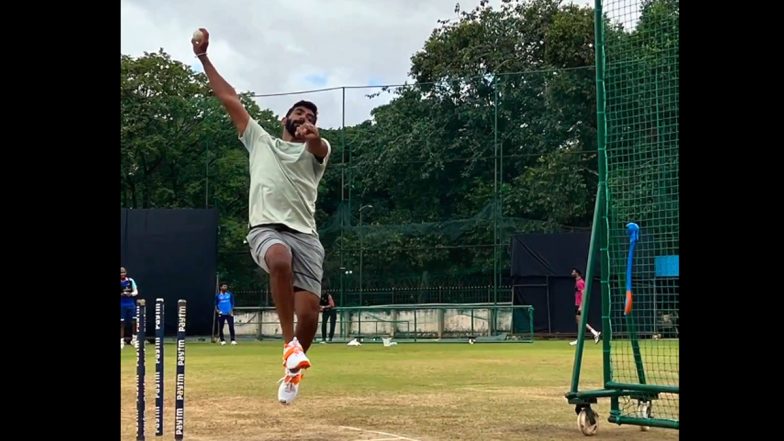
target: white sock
<point>592,330</point>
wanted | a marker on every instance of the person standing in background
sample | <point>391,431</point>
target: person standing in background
<point>328,313</point>
<point>128,293</point>
<point>224,306</point>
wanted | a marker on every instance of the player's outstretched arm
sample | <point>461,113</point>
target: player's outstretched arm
<point>220,87</point>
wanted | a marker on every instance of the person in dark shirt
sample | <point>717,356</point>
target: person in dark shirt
<point>328,313</point>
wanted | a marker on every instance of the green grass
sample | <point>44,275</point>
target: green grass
<point>422,391</point>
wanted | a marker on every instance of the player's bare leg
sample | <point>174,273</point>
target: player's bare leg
<point>278,260</point>
<point>307,306</point>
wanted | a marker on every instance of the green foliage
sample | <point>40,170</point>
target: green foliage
<point>179,149</point>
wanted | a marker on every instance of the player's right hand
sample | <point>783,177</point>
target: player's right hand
<point>200,47</point>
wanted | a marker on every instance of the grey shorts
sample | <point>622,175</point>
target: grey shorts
<point>307,254</point>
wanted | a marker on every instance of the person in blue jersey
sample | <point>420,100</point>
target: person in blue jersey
<point>224,306</point>
<point>128,293</point>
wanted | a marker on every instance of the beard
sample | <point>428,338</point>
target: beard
<point>291,127</point>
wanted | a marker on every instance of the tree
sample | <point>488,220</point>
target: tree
<point>179,149</point>
<point>514,85</point>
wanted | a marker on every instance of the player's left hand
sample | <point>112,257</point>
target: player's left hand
<point>308,131</point>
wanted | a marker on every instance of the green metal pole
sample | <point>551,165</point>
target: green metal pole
<point>415,325</point>
<point>604,259</point>
<point>342,288</point>
<point>599,217</point>
<point>578,354</point>
<point>500,181</point>
<point>349,214</point>
<point>651,388</point>
<point>342,193</point>
<point>495,193</point>
<point>601,138</point>
<point>667,424</point>
<point>631,323</point>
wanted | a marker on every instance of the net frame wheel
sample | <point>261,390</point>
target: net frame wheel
<point>587,421</point>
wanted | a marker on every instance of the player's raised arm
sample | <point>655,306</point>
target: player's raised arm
<point>222,89</point>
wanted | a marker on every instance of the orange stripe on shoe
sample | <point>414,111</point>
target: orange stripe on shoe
<point>289,351</point>
<point>294,380</point>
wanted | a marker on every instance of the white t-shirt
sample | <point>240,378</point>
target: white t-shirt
<point>284,179</point>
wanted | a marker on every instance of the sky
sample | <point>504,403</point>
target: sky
<point>282,46</point>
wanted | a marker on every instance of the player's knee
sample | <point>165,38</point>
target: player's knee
<point>278,259</point>
<point>279,265</point>
<point>310,314</point>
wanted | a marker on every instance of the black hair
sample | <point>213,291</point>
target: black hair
<point>306,104</point>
